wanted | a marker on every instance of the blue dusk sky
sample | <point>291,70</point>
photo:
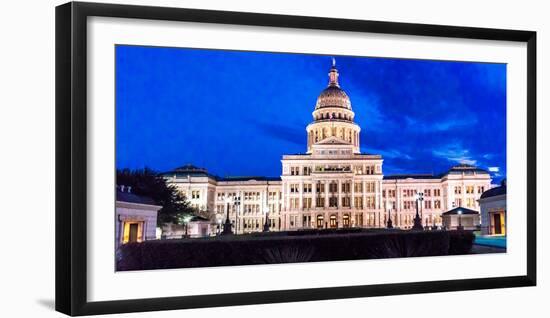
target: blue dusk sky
<point>236,113</point>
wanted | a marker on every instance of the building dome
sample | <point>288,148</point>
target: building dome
<point>333,118</point>
<point>333,95</point>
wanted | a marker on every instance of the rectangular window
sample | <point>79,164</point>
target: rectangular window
<point>333,202</point>
<point>320,202</point>
<point>320,188</point>
<point>358,202</point>
<point>294,203</point>
<point>370,202</point>
<point>306,221</point>
<point>458,190</point>
<point>307,203</point>
<point>346,202</point>
<point>346,187</point>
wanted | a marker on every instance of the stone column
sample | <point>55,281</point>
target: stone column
<point>314,194</point>
<point>398,206</point>
<point>339,204</point>
<point>364,194</point>
<point>301,193</point>
<point>286,193</point>
<point>352,203</point>
<point>326,193</point>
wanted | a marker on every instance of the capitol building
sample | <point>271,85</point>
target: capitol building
<point>332,185</point>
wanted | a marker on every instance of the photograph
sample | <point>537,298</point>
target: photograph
<point>232,158</point>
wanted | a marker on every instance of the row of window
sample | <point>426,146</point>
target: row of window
<point>319,134</point>
<point>273,195</point>
<point>370,187</point>
<point>469,189</point>
<point>470,202</point>
<point>334,115</point>
<point>401,220</point>
<point>333,152</point>
<point>410,205</point>
<point>357,169</point>
<point>248,208</point>
<point>358,202</point>
<point>332,221</point>
<point>412,192</point>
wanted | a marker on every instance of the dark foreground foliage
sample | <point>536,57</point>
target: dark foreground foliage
<point>149,183</point>
<point>291,247</point>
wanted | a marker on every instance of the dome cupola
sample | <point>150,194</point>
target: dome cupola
<point>333,95</point>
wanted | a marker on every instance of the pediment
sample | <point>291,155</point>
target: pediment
<point>332,140</point>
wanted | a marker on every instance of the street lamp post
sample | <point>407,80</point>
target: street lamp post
<point>186,220</point>
<point>460,227</point>
<point>219,220</point>
<point>237,203</point>
<point>417,220</point>
<point>227,225</point>
<point>390,224</point>
<point>266,224</point>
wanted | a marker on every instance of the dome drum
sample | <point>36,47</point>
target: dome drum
<point>333,113</point>
<point>347,132</point>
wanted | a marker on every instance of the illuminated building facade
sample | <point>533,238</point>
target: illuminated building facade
<point>333,184</point>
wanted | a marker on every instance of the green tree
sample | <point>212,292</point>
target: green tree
<point>147,182</point>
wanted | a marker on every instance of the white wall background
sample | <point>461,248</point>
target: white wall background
<point>27,156</point>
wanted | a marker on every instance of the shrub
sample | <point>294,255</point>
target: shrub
<point>461,242</point>
<point>291,247</point>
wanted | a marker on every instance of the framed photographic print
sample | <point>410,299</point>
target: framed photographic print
<point>251,158</point>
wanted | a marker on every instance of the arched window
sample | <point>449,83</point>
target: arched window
<point>346,220</point>
<point>320,221</point>
<point>333,221</point>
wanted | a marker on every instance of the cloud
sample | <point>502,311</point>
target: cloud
<point>455,153</point>
<point>390,153</point>
<point>292,134</point>
<point>439,126</point>
<point>494,169</point>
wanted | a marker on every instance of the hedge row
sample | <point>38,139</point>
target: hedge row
<point>290,247</point>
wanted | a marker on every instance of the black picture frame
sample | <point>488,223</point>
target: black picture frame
<point>71,157</point>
